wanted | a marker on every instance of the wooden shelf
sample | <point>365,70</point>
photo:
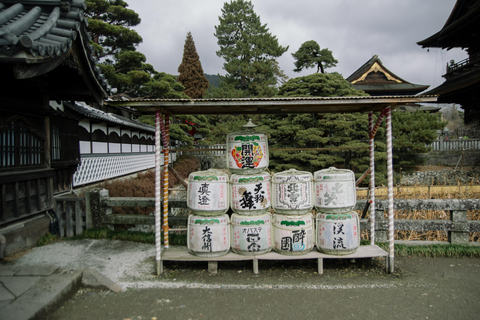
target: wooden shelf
<point>182,254</point>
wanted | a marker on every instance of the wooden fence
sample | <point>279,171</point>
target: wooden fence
<point>457,226</point>
<point>455,145</point>
<point>72,218</point>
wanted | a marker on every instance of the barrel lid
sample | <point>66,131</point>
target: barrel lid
<point>292,172</point>
<point>333,170</point>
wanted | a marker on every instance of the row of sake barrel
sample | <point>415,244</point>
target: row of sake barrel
<point>290,192</point>
<point>337,234</point>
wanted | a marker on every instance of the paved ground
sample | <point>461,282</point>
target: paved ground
<point>125,287</point>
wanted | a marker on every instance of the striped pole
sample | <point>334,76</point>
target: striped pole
<point>373,131</point>
<point>391,240</point>
<point>166,142</point>
<point>372,179</point>
<point>158,241</point>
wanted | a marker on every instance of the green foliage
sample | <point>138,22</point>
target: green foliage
<point>248,49</point>
<point>319,85</point>
<point>46,239</point>
<point>342,138</point>
<point>110,22</point>
<point>412,131</point>
<point>221,125</point>
<point>309,55</point>
<point>191,71</point>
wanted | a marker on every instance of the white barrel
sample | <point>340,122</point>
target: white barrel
<point>335,190</point>
<point>247,151</point>
<point>208,236</point>
<point>207,193</point>
<point>250,194</point>
<point>293,235</point>
<point>338,234</point>
<point>292,192</point>
<point>251,234</point>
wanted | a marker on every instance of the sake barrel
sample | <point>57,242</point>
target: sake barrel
<point>335,190</point>
<point>207,192</point>
<point>251,234</point>
<point>337,234</point>
<point>247,150</point>
<point>292,192</point>
<point>293,235</point>
<point>250,194</point>
<point>208,236</point>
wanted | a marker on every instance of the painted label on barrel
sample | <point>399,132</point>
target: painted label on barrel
<point>293,235</point>
<point>208,193</point>
<point>335,190</point>
<point>247,151</point>
<point>337,232</point>
<point>208,235</point>
<point>250,193</point>
<point>293,193</point>
<point>251,234</point>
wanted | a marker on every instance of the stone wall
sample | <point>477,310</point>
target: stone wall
<point>444,177</point>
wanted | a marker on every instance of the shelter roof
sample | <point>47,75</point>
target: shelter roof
<point>461,30</point>
<point>270,105</point>
<point>375,79</point>
<point>42,36</point>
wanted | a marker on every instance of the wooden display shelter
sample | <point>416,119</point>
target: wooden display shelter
<point>163,108</point>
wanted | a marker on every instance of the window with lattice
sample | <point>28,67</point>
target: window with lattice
<point>20,147</point>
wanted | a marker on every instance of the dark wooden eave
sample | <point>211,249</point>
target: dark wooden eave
<point>461,30</point>
<point>47,41</point>
<point>270,105</point>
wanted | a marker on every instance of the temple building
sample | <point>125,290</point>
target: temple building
<point>55,130</point>
<point>376,80</point>
<point>462,78</point>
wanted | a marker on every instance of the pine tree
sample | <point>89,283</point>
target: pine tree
<point>191,71</point>
<point>309,55</point>
<point>248,48</point>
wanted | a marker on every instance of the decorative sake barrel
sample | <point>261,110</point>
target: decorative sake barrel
<point>292,192</point>
<point>208,236</point>
<point>250,194</point>
<point>207,192</point>
<point>247,150</point>
<point>335,190</point>
<point>251,234</point>
<point>338,234</point>
<point>293,235</point>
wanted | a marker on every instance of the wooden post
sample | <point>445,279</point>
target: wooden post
<point>88,211</point>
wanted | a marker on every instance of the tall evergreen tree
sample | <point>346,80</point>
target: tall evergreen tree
<point>248,48</point>
<point>191,71</point>
<point>309,55</point>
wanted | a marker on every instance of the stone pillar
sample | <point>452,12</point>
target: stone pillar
<point>94,207</point>
<point>381,233</point>
<point>460,235</point>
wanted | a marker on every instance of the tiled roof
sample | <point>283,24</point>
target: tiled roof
<point>93,113</point>
<point>35,31</point>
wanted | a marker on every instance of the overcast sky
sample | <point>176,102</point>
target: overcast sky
<point>353,30</point>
